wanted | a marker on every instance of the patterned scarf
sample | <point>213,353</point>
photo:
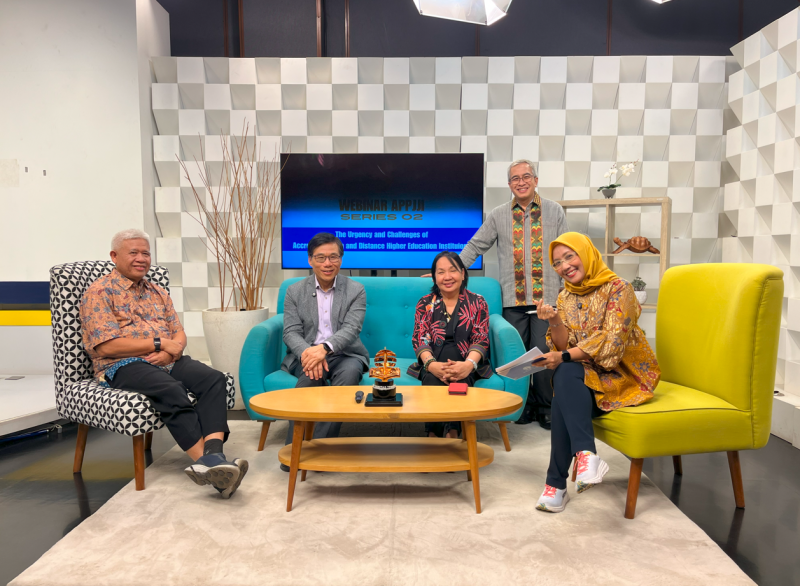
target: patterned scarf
<point>518,236</point>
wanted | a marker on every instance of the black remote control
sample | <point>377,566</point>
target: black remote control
<point>359,396</point>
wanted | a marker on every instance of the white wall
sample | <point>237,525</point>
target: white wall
<point>75,102</point>
<point>69,105</point>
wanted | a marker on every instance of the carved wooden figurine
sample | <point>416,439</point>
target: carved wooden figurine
<point>638,244</point>
<point>385,366</point>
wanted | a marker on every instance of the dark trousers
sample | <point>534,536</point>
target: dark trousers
<point>441,429</point>
<point>574,407</point>
<point>533,332</point>
<point>342,371</point>
<point>166,392</point>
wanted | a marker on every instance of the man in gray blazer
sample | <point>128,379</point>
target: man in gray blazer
<point>523,228</point>
<point>322,318</point>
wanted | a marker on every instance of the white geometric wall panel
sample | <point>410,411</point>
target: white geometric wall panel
<point>574,116</point>
<point>762,149</point>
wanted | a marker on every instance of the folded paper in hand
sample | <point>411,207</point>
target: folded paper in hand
<point>522,366</point>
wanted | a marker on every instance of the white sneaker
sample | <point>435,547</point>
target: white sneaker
<point>591,469</point>
<point>553,500</point>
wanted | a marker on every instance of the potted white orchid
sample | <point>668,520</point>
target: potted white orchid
<point>625,170</point>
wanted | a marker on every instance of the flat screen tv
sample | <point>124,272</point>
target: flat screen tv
<point>391,211</point>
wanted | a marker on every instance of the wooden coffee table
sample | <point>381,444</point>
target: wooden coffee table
<point>306,406</point>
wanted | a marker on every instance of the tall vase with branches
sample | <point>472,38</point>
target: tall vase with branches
<point>238,213</point>
<point>238,201</point>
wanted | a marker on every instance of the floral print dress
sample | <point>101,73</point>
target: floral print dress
<point>471,331</point>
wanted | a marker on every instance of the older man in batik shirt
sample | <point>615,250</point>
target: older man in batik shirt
<point>135,340</point>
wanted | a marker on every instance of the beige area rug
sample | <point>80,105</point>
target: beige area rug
<point>383,529</point>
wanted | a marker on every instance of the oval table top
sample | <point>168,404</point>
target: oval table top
<point>420,403</point>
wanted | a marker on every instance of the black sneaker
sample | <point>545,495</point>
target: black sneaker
<point>544,420</point>
<point>285,468</point>
<point>215,470</point>
<point>527,416</point>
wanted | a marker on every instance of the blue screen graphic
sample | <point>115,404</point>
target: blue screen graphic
<point>391,211</point>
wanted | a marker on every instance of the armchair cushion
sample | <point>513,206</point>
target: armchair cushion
<point>677,420</point>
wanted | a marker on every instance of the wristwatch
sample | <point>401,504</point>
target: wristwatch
<point>157,344</point>
<point>328,349</point>
<point>566,356</point>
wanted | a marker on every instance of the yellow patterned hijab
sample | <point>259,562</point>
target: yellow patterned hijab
<point>597,273</point>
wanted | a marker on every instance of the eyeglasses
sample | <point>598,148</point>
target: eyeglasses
<point>516,179</point>
<point>568,258</point>
<point>320,258</point>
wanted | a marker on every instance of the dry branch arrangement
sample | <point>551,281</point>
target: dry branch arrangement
<point>239,215</point>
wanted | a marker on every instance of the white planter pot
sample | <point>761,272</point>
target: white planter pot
<point>225,333</point>
<point>641,296</point>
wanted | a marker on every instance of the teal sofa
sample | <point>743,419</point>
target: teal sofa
<point>389,323</point>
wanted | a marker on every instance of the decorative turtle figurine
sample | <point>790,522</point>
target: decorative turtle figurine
<point>638,244</point>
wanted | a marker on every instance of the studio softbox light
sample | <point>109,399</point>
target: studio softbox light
<point>476,11</point>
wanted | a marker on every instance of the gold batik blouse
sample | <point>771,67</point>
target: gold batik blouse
<point>623,369</point>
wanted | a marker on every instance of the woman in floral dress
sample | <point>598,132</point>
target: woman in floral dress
<point>451,334</point>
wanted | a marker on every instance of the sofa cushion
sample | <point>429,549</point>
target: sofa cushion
<point>677,420</point>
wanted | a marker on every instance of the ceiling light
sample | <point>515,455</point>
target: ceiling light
<point>477,11</point>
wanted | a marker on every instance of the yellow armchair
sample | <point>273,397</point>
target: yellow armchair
<point>717,331</point>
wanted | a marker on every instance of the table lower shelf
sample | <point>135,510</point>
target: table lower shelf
<point>389,454</point>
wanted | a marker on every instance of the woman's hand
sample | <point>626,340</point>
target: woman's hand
<point>550,360</point>
<point>437,370</point>
<point>457,371</point>
<point>545,311</point>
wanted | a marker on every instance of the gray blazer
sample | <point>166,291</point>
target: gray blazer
<point>497,228</point>
<point>301,319</point>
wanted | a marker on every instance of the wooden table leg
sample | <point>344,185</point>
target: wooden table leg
<point>472,448</point>
<point>297,444</point>
<point>309,437</point>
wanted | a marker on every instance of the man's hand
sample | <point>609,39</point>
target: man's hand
<point>159,358</point>
<point>315,372</point>
<point>313,356</point>
<point>171,347</point>
<point>456,371</point>
<point>550,360</point>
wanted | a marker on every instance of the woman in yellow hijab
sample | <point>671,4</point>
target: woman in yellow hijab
<point>601,360</point>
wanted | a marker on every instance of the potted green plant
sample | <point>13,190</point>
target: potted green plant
<point>625,170</point>
<point>239,215</point>
<point>639,287</point>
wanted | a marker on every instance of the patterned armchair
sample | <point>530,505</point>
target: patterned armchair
<point>79,397</point>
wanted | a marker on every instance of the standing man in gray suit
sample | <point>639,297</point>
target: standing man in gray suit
<point>523,229</point>
<point>322,318</point>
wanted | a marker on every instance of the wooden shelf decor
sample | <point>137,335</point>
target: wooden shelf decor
<point>611,205</point>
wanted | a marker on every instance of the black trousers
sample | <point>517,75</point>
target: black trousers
<point>342,371</point>
<point>441,429</point>
<point>167,394</point>
<point>574,407</point>
<point>533,332</point>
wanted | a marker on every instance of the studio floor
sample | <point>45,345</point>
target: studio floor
<point>41,501</point>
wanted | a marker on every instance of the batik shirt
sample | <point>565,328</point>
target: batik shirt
<point>526,233</point>
<point>623,369</point>
<point>116,307</point>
